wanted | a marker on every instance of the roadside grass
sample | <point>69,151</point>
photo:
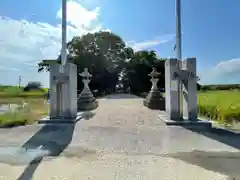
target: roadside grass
<point>31,105</point>
<point>16,92</point>
<point>221,106</point>
<point>28,111</point>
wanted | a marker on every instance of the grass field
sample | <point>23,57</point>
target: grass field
<point>29,110</point>
<point>16,92</point>
<point>222,106</point>
<point>31,107</point>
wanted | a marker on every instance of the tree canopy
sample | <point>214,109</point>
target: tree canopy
<point>111,62</point>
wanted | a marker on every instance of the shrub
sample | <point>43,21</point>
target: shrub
<point>33,86</point>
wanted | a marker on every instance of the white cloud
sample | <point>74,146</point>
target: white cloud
<point>3,68</point>
<point>24,43</point>
<point>78,16</point>
<point>225,72</point>
<point>137,46</point>
<point>228,67</point>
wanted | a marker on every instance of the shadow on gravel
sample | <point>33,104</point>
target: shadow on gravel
<point>223,162</point>
<point>227,137</point>
<point>50,140</point>
<point>120,96</point>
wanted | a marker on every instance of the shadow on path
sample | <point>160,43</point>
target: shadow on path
<point>227,137</point>
<point>120,96</point>
<point>53,139</point>
<point>223,162</point>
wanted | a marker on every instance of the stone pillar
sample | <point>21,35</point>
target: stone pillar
<point>73,88</point>
<point>63,91</point>
<point>172,89</point>
<point>70,91</point>
<point>187,74</point>
<point>54,70</point>
<point>190,90</point>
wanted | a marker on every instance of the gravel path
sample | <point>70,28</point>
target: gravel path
<point>120,140</point>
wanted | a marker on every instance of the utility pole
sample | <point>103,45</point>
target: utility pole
<point>63,86</point>
<point>179,51</point>
<point>64,35</point>
<point>19,81</point>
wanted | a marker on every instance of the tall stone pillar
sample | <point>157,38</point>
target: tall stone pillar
<point>53,91</point>
<point>62,93</point>
<point>190,89</point>
<point>187,75</point>
<point>70,93</point>
<point>172,89</point>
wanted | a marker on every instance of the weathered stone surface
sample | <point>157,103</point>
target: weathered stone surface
<point>172,90</point>
<point>63,92</point>
<point>86,100</point>
<point>154,100</point>
<point>87,103</point>
<point>173,77</point>
<point>190,88</point>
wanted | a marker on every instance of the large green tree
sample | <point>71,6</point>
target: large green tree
<point>103,53</point>
<point>107,57</point>
<point>135,74</point>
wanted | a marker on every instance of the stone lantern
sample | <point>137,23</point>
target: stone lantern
<point>154,99</point>
<point>86,100</point>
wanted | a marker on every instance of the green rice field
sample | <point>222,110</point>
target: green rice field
<point>222,106</point>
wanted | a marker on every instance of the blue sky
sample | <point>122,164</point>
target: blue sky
<point>30,32</point>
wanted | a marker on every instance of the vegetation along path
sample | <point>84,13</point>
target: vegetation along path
<point>120,140</point>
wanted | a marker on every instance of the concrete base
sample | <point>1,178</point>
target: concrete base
<point>154,100</point>
<point>83,106</point>
<point>196,124</point>
<point>87,102</point>
<point>70,120</point>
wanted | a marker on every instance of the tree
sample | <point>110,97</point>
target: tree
<point>108,60</point>
<point>103,53</point>
<point>136,72</point>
